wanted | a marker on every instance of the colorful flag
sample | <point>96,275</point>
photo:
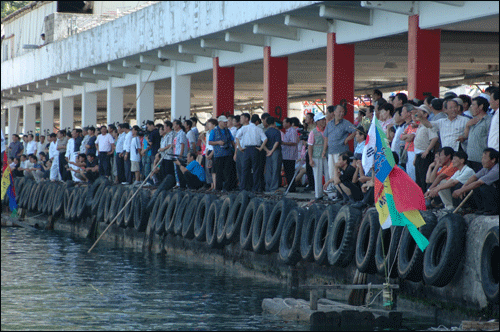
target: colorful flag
<point>369,149</point>
<point>397,197</point>
<point>8,185</point>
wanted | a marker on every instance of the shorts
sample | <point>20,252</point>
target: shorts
<point>134,166</point>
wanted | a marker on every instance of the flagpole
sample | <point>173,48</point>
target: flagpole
<point>463,202</point>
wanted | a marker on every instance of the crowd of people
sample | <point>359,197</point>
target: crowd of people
<point>448,146</point>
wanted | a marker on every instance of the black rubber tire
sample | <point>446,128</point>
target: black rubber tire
<point>341,243</point>
<point>35,194</point>
<point>19,194</point>
<point>489,265</point>
<point>189,217</point>
<point>82,206</point>
<point>211,224</point>
<point>227,203</point>
<point>101,208</point>
<point>276,222</point>
<point>74,202</point>
<point>140,212</point>
<point>107,203</point>
<point>311,219</point>
<point>390,239</point>
<point>259,226</point>
<point>174,209</point>
<point>68,204</point>
<point>49,190</point>
<point>97,197</point>
<point>128,214</point>
<point>410,257</point>
<point>27,191</point>
<point>152,216</point>
<point>54,198</point>
<point>445,250</point>
<point>120,220</point>
<point>180,212</point>
<point>165,212</point>
<point>321,234</point>
<point>58,203</point>
<point>200,220</point>
<point>167,184</point>
<point>93,190</point>
<point>235,217</point>
<point>289,250</point>
<point>114,207</point>
<point>247,223</point>
<point>366,242</point>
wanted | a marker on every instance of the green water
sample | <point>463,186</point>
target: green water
<point>49,282</point>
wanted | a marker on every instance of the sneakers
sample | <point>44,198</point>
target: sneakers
<point>147,184</point>
<point>125,183</point>
<point>137,183</point>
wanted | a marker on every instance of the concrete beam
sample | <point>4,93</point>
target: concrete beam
<point>246,38</point>
<point>120,69</point>
<point>84,74</point>
<point>194,50</point>
<point>170,55</point>
<point>220,45</point>
<point>314,24</point>
<point>57,85</point>
<point>107,73</point>
<point>134,64</point>
<point>62,80</point>
<point>154,61</point>
<point>358,16</point>
<point>76,78</point>
<point>399,7</point>
<point>276,31</point>
<point>23,92</point>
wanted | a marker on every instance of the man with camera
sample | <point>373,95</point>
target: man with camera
<point>223,143</point>
<point>193,173</point>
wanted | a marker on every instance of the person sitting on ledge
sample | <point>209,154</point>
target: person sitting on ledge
<point>193,173</point>
<point>457,180</point>
<point>343,179</point>
<point>484,183</point>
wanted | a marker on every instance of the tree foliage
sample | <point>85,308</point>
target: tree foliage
<point>8,7</point>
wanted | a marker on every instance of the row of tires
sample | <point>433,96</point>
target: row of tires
<point>334,235</point>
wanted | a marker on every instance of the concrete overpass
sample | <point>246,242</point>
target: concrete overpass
<point>173,58</point>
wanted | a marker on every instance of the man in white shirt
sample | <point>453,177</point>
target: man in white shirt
<point>54,157</point>
<point>250,140</point>
<point>105,146</point>
<point>135,156</point>
<point>126,153</point>
<point>120,162</point>
<point>40,146</point>
<point>71,154</point>
<point>451,128</point>
<point>493,134</point>
<point>190,135</point>
<point>167,149</point>
<point>446,187</point>
<point>31,146</point>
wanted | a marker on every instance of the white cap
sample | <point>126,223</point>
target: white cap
<point>485,96</point>
<point>318,116</point>
<point>222,118</point>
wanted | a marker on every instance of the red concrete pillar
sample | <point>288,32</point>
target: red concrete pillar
<point>424,49</point>
<point>223,93</point>
<point>275,84</point>
<point>340,74</point>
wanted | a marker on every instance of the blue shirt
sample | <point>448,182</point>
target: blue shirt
<point>196,169</point>
<point>221,135</point>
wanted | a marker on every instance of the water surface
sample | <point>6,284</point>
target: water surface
<point>49,282</point>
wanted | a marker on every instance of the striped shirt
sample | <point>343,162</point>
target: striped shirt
<point>449,131</point>
<point>290,152</point>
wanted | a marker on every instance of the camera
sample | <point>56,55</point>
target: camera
<point>303,134</point>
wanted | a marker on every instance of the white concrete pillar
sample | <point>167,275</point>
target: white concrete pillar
<point>66,112</point>
<point>46,116</point>
<point>14,121</point>
<point>29,117</point>
<point>145,94</point>
<point>181,95</point>
<point>89,108</point>
<point>114,104</point>
<point>2,120</point>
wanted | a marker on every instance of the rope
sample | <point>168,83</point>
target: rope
<point>130,199</point>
